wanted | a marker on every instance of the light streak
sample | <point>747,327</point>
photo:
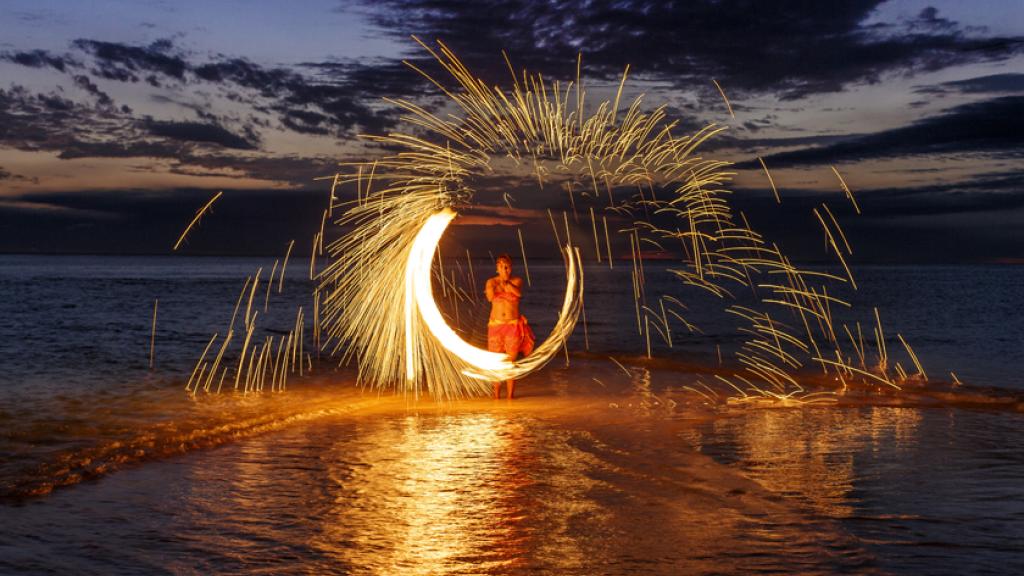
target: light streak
<point>722,92</point>
<point>770,180</point>
<point>420,296</point>
<point>195,219</point>
<point>479,363</point>
<point>522,249</point>
<point>280,280</point>
<point>374,301</point>
<point>270,284</point>
<point>198,362</point>
<point>607,242</point>
<point>913,357</point>
<point>152,335</point>
<point>846,189</point>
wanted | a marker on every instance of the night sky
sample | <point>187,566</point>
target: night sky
<point>119,119</point>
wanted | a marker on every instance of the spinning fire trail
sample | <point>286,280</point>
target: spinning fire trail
<point>374,302</point>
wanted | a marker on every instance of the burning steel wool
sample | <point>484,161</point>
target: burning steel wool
<point>648,175</point>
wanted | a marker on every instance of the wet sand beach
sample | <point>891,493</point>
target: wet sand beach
<point>562,480</point>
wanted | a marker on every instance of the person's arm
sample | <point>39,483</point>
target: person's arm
<point>515,287</point>
<point>489,290</point>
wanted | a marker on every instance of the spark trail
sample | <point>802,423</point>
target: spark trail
<point>374,301</point>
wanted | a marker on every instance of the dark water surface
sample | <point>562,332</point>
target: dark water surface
<point>593,471</point>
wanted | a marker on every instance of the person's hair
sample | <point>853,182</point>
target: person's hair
<point>505,257</point>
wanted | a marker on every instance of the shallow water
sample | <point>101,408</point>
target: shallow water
<point>927,491</point>
<point>593,471</point>
<point>577,484</point>
<point>477,490</point>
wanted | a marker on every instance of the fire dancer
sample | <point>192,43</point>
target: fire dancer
<point>507,329</point>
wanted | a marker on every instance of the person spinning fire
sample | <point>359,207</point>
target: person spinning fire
<point>507,329</point>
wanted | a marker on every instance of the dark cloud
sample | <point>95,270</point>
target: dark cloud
<point>992,126</point>
<point>991,84</point>
<point>123,62</point>
<point>376,78</point>
<point>30,121</point>
<point>929,20</point>
<point>306,121</point>
<point>56,102</point>
<point>791,48</point>
<point>12,177</point>
<point>972,220</point>
<point>992,193</point>
<point>988,193</point>
<point>339,103</point>
<point>303,105</point>
<point>199,132</point>
<point>342,99</point>
<point>134,148</point>
<point>747,144</point>
<point>52,123</point>
<point>83,82</point>
<point>298,171</point>
<point>41,59</point>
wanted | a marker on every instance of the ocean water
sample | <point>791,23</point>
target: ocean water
<point>107,466</point>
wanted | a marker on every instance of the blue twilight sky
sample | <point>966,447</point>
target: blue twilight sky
<point>117,119</point>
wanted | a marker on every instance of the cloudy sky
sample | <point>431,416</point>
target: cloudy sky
<point>119,118</point>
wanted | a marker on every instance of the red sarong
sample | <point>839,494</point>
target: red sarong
<point>511,337</point>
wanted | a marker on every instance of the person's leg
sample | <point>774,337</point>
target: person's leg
<point>495,343</point>
<point>511,384</point>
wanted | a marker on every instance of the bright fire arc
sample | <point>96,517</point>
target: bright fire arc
<point>419,296</point>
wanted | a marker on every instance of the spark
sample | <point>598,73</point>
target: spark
<point>280,280</point>
<point>607,242</point>
<point>913,357</point>
<point>722,92</point>
<point>846,189</point>
<point>771,180</point>
<point>522,248</point>
<point>270,284</point>
<point>200,361</point>
<point>195,219</point>
<point>152,335</point>
<point>374,299</point>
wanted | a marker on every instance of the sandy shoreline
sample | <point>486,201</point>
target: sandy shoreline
<point>589,470</point>
<point>553,482</point>
<point>50,450</point>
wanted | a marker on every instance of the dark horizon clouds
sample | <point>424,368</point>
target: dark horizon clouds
<point>994,127</point>
<point>906,96</point>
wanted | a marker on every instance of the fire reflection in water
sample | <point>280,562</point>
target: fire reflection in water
<point>426,495</point>
<point>810,454</point>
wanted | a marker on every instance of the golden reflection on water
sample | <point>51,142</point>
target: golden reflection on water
<point>428,495</point>
<point>811,453</point>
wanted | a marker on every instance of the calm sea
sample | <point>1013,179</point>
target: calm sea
<point>595,470</point>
